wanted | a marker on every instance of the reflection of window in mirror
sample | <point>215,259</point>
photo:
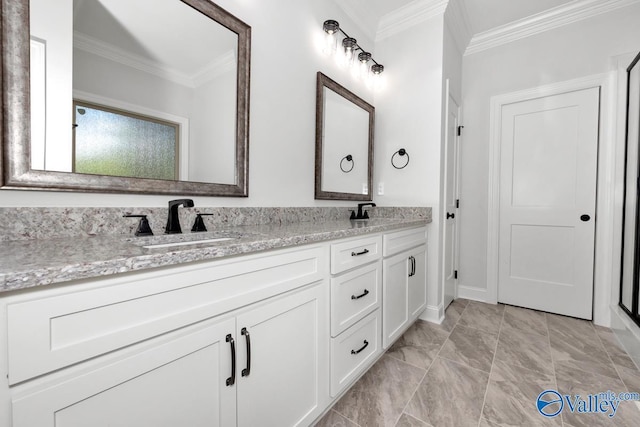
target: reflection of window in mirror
<point>114,142</point>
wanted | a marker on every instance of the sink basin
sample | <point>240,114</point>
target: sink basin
<point>176,240</point>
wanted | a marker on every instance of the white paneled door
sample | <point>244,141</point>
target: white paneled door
<point>548,171</point>
<point>450,258</point>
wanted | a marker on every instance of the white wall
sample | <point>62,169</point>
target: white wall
<point>408,115</point>
<point>212,154</point>
<point>286,35</point>
<point>581,49</point>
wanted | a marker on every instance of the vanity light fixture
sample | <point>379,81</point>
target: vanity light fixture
<point>363,64</point>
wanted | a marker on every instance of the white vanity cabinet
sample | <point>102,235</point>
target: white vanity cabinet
<point>404,283</point>
<point>265,339</point>
<point>168,347</point>
<point>356,285</point>
<point>179,381</point>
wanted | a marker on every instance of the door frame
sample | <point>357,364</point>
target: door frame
<point>605,191</point>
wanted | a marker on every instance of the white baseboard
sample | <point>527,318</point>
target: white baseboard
<point>475,294</point>
<point>627,332</point>
<point>433,314</point>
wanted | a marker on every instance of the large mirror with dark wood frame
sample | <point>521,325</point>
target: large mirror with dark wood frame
<point>344,143</point>
<point>149,96</point>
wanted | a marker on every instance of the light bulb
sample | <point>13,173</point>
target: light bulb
<point>363,65</point>
<point>377,80</point>
<point>350,45</point>
<point>331,29</point>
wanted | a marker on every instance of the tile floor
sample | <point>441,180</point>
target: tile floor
<point>484,366</point>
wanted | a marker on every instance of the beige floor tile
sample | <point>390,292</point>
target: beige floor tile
<point>523,319</point>
<point>574,343</point>
<point>472,347</point>
<point>419,345</point>
<point>408,421</point>
<point>630,377</point>
<point>586,359</point>
<point>333,419</point>
<point>570,326</point>
<point>379,397</point>
<point>525,349</point>
<point>450,395</point>
<point>452,314</point>
<point>572,381</point>
<point>512,394</point>
<point>611,344</point>
<point>486,317</point>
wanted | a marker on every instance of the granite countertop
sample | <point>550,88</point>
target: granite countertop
<point>39,262</point>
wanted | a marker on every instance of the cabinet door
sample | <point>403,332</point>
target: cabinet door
<point>287,383</point>
<point>395,297</point>
<point>181,382</point>
<point>418,282</point>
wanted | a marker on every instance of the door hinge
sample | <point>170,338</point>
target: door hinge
<point>457,203</point>
<point>460,130</point>
<point>455,274</point>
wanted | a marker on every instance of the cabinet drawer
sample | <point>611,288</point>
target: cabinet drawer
<point>354,350</point>
<point>353,253</point>
<point>57,330</point>
<point>403,240</point>
<point>353,295</point>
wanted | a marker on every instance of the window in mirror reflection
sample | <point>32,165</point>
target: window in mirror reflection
<point>120,143</point>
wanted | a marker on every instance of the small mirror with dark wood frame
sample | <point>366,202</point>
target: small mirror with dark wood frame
<point>344,143</point>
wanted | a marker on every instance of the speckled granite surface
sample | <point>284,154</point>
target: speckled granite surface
<point>26,263</point>
<point>46,223</point>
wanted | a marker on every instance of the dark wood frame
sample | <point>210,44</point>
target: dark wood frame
<point>322,82</point>
<point>15,171</point>
<point>633,310</point>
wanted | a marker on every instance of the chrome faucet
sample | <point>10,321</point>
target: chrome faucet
<point>173,221</point>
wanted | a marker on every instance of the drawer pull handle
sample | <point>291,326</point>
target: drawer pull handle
<point>412,260</point>
<point>366,251</point>
<point>365,293</point>
<point>366,343</point>
<point>232,379</point>
<point>247,370</point>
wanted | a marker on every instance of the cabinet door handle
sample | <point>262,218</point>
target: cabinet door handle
<point>366,251</point>
<point>366,343</point>
<point>412,268</point>
<point>247,370</point>
<point>365,293</point>
<point>232,379</point>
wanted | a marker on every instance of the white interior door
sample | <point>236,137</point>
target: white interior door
<point>450,258</point>
<point>548,171</point>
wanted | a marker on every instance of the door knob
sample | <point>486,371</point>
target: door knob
<point>450,215</point>
<point>585,217</point>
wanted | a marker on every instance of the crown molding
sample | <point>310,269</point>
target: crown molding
<point>223,64</point>
<point>414,13</point>
<point>457,20</point>
<point>108,51</point>
<point>218,66</point>
<point>355,12</point>
<point>544,21</point>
